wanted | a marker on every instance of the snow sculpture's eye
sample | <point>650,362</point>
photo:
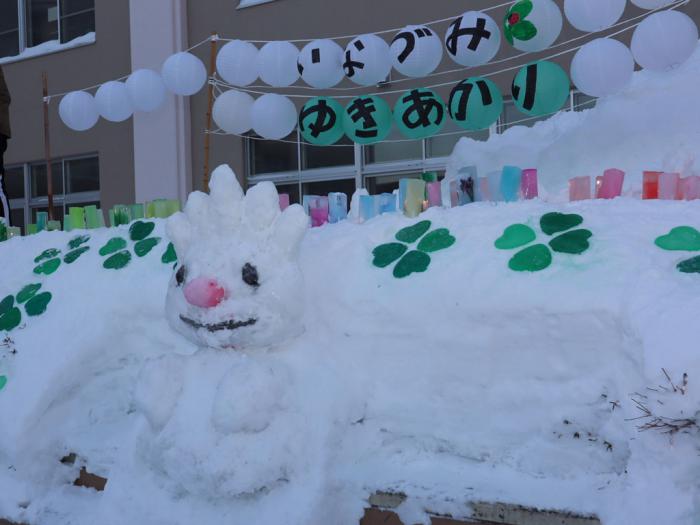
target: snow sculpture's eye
<point>180,275</point>
<point>250,275</point>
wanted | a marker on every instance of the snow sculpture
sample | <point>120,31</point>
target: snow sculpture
<point>238,283</point>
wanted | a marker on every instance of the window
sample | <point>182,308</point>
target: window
<point>29,23</point>
<point>270,156</point>
<point>342,153</point>
<point>76,182</point>
<point>583,102</point>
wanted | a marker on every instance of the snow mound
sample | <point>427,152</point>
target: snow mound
<point>649,126</point>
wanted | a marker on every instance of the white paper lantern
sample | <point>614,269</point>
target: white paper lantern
<point>593,15</point>
<point>184,74</point>
<point>664,40</point>
<point>237,63</point>
<point>232,112</point>
<point>651,4</point>
<point>473,39</point>
<point>273,116</point>
<point>416,51</point>
<point>367,60</point>
<point>78,110</point>
<point>146,90</point>
<point>277,64</point>
<point>602,67</point>
<point>113,102</point>
<point>320,63</point>
<point>546,17</point>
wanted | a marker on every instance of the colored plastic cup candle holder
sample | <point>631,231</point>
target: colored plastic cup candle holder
<point>386,202</point>
<point>454,193</point>
<point>434,192</point>
<point>77,218</point>
<point>415,197</point>
<point>668,186</point>
<point>580,188</point>
<point>598,186</point>
<point>529,187</point>
<point>284,201</point>
<point>511,180</point>
<point>430,176</point>
<point>42,218</point>
<point>307,202</point>
<point>53,226</point>
<point>337,207</point>
<point>650,185</point>
<point>14,231</point>
<point>318,210</point>
<point>482,189</point>
<point>690,187</point>
<point>494,181</point>
<point>611,186</point>
<point>137,211</point>
<point>368,209</point>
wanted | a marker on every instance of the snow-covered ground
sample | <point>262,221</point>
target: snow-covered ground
<point>465,382</point>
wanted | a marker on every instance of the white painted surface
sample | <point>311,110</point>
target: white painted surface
<point>162,151</point>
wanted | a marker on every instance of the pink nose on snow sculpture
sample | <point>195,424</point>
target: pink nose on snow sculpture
<point>203,292</point>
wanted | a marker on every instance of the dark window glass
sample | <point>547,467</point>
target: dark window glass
<point>57,213</point>
<point>346,186</point>
<point>17,217</point>
<point>582,102</point>
<point>70,7</point>
<point>42,21</point>
<point>14,182</point>
<point>9,32</point>
<point>78,24</point>
<point>387,183</point>
<point>38,179</point>
<point>394,151</point>
<point>83,175</point>
<point>292,190</point>
<point>270,156</point>
<point>340,154</point>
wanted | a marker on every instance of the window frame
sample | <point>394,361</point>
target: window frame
<point>63,200</point>
<point>242,4</point>
<point>22,33</point>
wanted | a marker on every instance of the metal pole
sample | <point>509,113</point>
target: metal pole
<point>210,105</point>
<point>47,143</point>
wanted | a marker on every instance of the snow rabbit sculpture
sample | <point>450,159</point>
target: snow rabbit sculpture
<point>238,282</point>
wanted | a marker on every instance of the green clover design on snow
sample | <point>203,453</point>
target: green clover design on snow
<point>34,304</point>
<point>117,252</point>
<point>413,261</point>
<point>682,238</point>
<point>514,24</point>
<point>539,256</point>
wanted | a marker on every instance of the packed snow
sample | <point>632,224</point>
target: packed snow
<point>464,383</point>
<point>50,46</point>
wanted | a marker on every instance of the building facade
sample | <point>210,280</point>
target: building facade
<point>82,43</point>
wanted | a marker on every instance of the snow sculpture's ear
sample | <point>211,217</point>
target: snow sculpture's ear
<point>179,231</point>
<point>226,194</point>
<point>262,206</point>
<point>290,229</point>
<point>197,210</point>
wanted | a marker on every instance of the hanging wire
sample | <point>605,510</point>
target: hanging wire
<point>56,95</point>
<point>382,32</point>
<point>488,74</point>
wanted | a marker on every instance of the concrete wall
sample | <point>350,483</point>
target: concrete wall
<point>107,59</point>
<point>295,19</point>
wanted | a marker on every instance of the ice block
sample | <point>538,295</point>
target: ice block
<point>529,187</point>
<point>650,185</point>
<point>511,180</point>
<point>337,207</point>
<point>284,201</point>
<point>434,192</point>
<point>611,186</point>
<point>580,188</point>
<point>668,186</point>
<point>494,181</point>
<point>690,187</point>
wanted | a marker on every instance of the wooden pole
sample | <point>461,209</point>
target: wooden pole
<point>47,143</point>
<point>210,106</point>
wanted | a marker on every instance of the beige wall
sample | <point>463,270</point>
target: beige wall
<point>296,19</point>
<point>107,59</point>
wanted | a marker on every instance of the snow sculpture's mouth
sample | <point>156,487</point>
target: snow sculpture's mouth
<point>217,327</point>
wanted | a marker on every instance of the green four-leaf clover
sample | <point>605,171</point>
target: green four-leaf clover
<point>413,261</point>
<point>537,257</point>
<point>514,24</point>
<point>682,238</point>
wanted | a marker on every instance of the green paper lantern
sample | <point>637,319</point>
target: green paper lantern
<point>419,113</point>
<point>475,103</point>
<point>540,88</point>
<point>321,121</point>
<point>367,120</point>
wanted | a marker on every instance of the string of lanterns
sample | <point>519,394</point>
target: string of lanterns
<point>601,67</point>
